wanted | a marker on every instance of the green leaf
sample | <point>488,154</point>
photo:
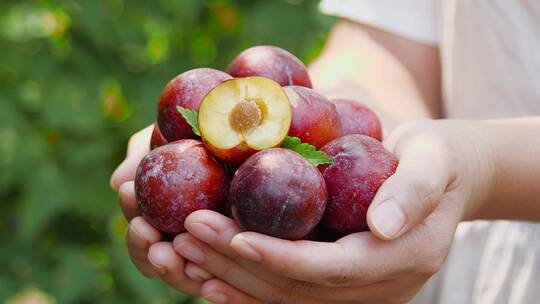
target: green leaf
<point>307,151</point>
<point>191,117</point>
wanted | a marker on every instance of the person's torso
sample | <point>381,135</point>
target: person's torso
<point>490,54</point>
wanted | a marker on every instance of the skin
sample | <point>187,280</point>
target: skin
<point>157,138</point>
<point>176,179</point>
<point>315,120</point>
<point>449,171</point>
<point>360,166</point>
<point>287,194</point>
<point>186,90</point>
<point>356,118</point>
<point>250,63</point>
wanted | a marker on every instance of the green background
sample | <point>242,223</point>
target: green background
<point>76,79</point>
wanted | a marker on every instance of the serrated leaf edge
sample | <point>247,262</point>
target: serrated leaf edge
<point>194,126</point>
<point>293,142</point>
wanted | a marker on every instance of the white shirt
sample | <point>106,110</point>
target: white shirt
<point>490,56</point>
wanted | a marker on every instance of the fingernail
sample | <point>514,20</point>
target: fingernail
<point>196,273</point>
<point>388,218</point>
<point>195,276</point>
<point>120,167</point>
<point>124,190</point>
<point>191,252</point>
<point>217,298</point>
<point>242,246</point>
<point>203,232</point>
<point>159,269</point>
<point>120,194</point>
<point>146,244</point>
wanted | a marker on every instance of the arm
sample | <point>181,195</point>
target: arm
<point>515,192</point>
<point>397,77</point>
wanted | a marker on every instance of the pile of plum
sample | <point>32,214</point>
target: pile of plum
<point>260,145</point>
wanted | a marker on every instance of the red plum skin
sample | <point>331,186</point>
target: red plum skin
<point>315,120</point>
<point>186,90</point>
<point>270,62</point>
<point>279,193</point>
<point>157,139</point>
<point>357,118</point>
<point>360,165</point>
<point>177,179</point>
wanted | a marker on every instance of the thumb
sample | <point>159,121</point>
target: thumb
<point>407,197</point>
<point>138,147</point>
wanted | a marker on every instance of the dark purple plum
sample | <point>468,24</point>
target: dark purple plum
<point>279,193</point>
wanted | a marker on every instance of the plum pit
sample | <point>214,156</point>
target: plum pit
<point>245,116</point>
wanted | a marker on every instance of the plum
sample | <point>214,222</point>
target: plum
<point>315,120</point>
<point>157,138</point>
<point>357,118</point>
<point>270,62</point>
<point>186,90</point>
<point>279,193</point>
<point>360,164</point>
<point>242,116</point>
<point>176,179</point>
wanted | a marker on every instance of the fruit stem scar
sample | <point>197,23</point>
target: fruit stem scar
<point>245,116</point>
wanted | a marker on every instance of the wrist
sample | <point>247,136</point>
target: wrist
<point>515,162</point>
<point>479,170</point>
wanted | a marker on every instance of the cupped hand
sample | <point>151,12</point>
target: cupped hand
<point>153,256</point>
<point>444,175</point>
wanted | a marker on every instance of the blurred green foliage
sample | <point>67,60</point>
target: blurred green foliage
<point>76,79</point>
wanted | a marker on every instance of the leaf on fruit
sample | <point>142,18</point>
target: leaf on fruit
<point>191,117</point>
<point>307,151</point>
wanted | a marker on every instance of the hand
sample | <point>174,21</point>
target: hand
<point>444,175</point>
<point>151,255</point>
